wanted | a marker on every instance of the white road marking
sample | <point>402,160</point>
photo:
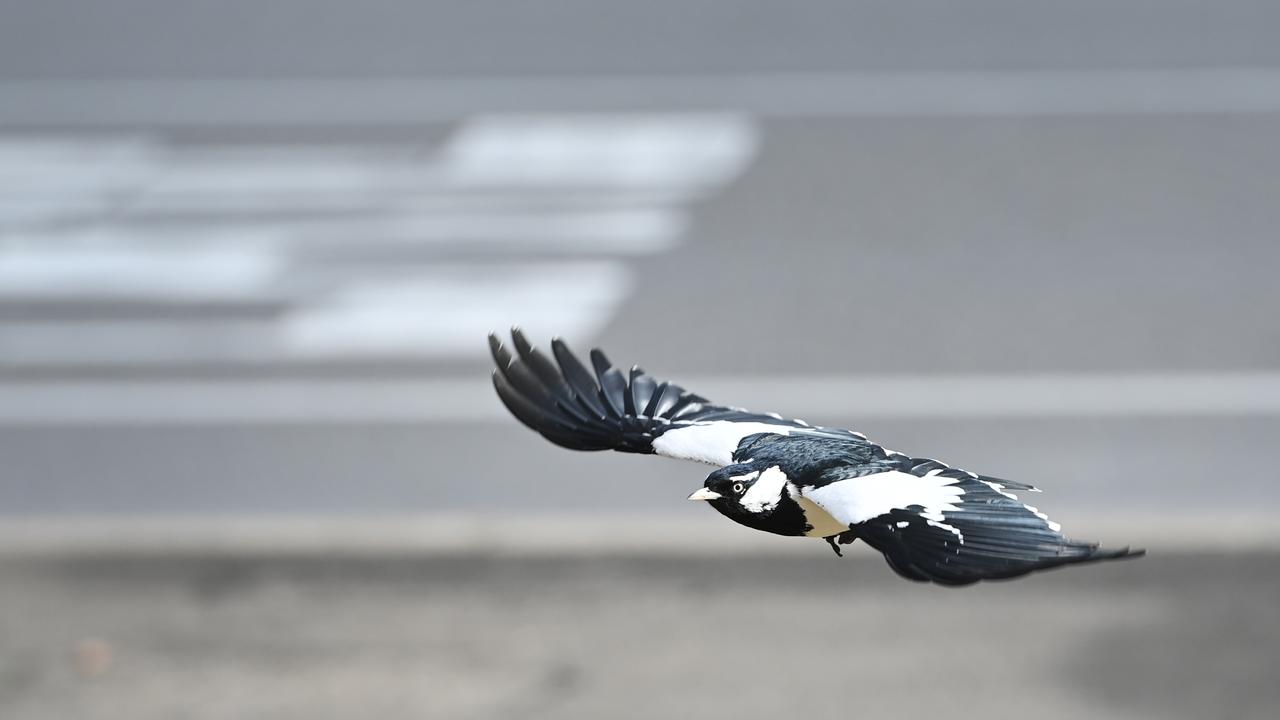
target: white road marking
<point>382,318</point>
<point>675,150</point>
<point>520,534</point>
<point>386,317</point>
<point>470,400</point>
<point>174,273</point>
<point>613,231</point>
<point>363,273</point>
<point>1119,394</point>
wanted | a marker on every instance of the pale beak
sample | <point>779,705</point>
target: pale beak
<point>704,494</point>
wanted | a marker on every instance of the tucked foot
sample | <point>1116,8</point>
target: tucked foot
<point>831,540</point>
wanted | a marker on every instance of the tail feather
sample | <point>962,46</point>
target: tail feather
<point>989,535</point>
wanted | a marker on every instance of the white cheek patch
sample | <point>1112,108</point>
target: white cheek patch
<point>766,493</point>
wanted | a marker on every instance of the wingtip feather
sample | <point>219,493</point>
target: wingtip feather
<point>600,361</point>
<point>518,337</point>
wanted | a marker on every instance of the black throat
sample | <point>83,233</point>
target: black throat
<point>785,519</point>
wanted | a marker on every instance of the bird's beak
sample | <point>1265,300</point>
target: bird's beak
<point>704,494</point>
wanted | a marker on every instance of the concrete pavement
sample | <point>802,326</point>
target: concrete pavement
<point>630,635</point>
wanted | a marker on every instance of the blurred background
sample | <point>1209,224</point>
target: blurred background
<point>249,253</point>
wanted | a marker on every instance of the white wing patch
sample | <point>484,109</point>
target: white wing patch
<point>712,441</point>
<point>859,499</point>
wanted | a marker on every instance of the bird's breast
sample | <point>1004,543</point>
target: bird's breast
<point>820,522</point>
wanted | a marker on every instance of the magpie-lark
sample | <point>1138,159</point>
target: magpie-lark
<point>932,522</point>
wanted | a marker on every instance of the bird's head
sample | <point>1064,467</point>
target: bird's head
<point>750,493</point>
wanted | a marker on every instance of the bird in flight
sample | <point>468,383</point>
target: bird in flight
<point>932,522</point>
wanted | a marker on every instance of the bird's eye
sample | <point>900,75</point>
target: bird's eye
<point>737,487</point>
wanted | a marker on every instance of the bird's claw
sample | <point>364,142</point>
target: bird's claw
<point>832,542</point>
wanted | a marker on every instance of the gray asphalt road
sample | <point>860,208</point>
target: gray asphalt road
<point>1043,232</point>
<point>859,247</point>
<point>1145,469</point>
<point>488,636</point>
<point>964,196</point>
<point>150,38</point>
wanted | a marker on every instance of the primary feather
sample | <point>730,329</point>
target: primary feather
<point>604,410</point>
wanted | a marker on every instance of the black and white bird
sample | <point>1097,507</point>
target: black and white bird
<point>932,522</point>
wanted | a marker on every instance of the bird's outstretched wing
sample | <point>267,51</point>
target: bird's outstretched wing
<point>946,525</point>
<point>606,410</point>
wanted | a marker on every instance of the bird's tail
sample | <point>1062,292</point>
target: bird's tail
<point>989,535</point>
